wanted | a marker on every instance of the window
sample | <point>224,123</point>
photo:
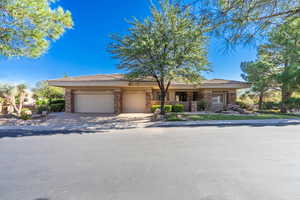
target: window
<point>157,96</point>
<point>195,96</point>
<point>181,96</point>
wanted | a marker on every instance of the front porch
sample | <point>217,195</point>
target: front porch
<point>198,99</point>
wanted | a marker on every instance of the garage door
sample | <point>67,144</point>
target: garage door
<point>94,103</point>
<point>134,102</point>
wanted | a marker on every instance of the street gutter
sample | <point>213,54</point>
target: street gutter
<point>265,122</point>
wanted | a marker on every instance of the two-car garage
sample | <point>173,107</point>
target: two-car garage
<point>94,102</point>
<point>104,101</point>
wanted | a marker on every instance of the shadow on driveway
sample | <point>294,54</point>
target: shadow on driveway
<point>13,133</point>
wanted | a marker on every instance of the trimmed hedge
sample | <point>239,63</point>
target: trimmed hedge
<point>59,107</point>
<point>57,101</point>
<point>42,108</point>
<point>178,108</point>
<point>168,108</point>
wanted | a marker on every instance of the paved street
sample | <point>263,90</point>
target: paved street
<point>197,163</point>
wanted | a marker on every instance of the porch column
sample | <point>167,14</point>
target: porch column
<point>207,96</point>
<point>69,101</point>
<point>190,99</point>
<point>148,100</point>
<point>118,101</point>
<point>232,97</point>
<point>172,96</point>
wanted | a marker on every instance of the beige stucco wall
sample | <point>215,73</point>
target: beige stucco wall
<point>118,92</point>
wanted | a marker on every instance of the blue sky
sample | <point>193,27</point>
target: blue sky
<point>82,50</point>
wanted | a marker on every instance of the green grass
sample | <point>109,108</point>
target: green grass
<point>193,117</point>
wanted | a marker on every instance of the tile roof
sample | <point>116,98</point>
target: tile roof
<point>121,77</point>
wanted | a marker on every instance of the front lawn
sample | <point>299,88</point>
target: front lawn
<point>193,117</point>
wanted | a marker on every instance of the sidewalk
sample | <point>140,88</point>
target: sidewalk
<point>265,122</point>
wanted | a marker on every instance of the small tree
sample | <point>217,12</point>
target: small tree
<point>260,75</point>
<point>44,91</point>
<point>11,93</point>
<point>167,46</point>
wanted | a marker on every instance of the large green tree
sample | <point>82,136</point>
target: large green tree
<point>260,74</point>
<point>242,21</point>
<point>167,46</point>
<point>283,51</point>
<point>28,26</point>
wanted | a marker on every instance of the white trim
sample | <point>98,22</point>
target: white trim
<point>87,92</point>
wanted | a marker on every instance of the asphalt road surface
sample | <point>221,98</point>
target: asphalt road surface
<point>204,163</point>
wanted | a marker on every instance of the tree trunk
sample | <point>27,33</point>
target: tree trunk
<point>162,102</point>
<point>285,95</point>
<point>260,102</point>
<point>22,98</point>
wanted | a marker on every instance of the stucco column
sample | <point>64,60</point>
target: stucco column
<point>69,101</point>
<point>207,97</point>
<point>190,99</point>
<point>232,97</point>
<point>148,100</point>
<point>118,101</point>
<point>172,96</point>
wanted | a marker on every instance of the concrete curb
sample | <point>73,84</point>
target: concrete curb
<point>269,122</point>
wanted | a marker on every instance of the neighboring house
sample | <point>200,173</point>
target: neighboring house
<point>29,100</point>
<point>113,93</point>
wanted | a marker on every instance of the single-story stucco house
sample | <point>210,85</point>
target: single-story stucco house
<point>113,93</point>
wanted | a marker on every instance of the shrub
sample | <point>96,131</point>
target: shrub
<point>168,108</point>
<point>243,105</point>
<point>41,102</point>
<point>201,105</point>
<point>270,105</point>
<point>59,107</point>
<point>26,114</point>
<point>293,103</point>
<point>42,108</point>
<point>57,101</point>
<point>178,108</point>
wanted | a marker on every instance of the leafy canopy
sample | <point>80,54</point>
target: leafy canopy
<point>28,26</point>
<point>283,51</point>
<point>242,21</point>
<point>44,91</point>
<point>259,74</point>
<point>169,45</point>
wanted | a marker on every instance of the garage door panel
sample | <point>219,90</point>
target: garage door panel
<point>134,102</point>
<point>94,103</point>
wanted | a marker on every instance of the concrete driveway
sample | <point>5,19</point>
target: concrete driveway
<point>77,121</point>
<point>204,163</point>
